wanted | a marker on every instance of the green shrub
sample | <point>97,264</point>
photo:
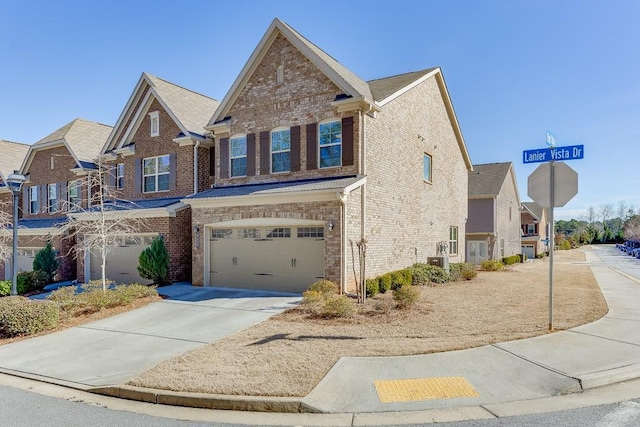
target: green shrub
<point>92,298</point>
<point>400,278</point>
<point>510,260</point>
<point>28,281</point>
<point>320,291</point>
<point>338,306</point>
<point>384,283</point>
<point>565,245</point>
<point>492,265</point>
<point>462,271</point>
<point>46,262</point>
<point>406,296</point>
<point>5,288</point>
<point>153,262</point>
<point>423,274</point>
<point>372,287</point>
<point>22,316</point>
<point>65,297</point>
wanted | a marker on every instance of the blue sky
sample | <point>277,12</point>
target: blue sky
<point>514,69</point>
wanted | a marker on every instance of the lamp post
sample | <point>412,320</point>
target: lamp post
<point>15,181</point>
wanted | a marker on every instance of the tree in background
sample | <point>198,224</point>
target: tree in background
<point>46,262</point>
<point>6,237</point>
<point>153,263</point>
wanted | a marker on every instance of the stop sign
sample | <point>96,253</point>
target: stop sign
<point>565,184</point>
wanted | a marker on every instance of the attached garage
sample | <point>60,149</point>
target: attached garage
<point>24,261</point>
<point>529,251</point>
<point>278,258</point>
<point>122,261</point>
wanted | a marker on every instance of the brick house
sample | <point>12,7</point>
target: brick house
<point>534,229</point>
<point>57,167</point>
<point>311,160</point>
<point>156,155</point>
<point>493,225</point>
<point>13,153</point>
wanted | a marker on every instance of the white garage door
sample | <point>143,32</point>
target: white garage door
<point>529,251</point>
<point>122,261</point>
<point>25,261</point>
<point>286,259</point>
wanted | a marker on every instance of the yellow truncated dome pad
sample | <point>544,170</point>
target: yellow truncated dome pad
<point>411,389</point>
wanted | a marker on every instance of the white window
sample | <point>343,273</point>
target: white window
<point>222,233</point>
<point>53,198</point>
<point>280,150</point>
<point>33,199</point>
<point>73,195</point>
<point>317,232</point>
<point>279,233</point>
<point>248,233</point>
<point>453,240</point>
<point>120,176</point>
<point>426,172</point>
<point>238,155</point>
<point>330,135</point>
<point>154,125</point>
<point>531,229</point>
<point>156,172</point>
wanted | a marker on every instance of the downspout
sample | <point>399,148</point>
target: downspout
<point>195,167</point>
<point>343,238</point>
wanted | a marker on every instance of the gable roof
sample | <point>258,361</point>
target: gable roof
<point>83,139</point>
<point>13,154</point>
<point>534,209</point>
<point>341,76</point>
<point>190,110</point>
<point>488,179</point>
<point>374,93</point>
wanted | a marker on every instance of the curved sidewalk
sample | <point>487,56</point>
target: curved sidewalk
<point>484,382</point>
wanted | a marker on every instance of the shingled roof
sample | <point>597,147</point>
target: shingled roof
<point>13,154</point>
<point>83,137</point>
<point>534,208</point>
<point>488,179</point>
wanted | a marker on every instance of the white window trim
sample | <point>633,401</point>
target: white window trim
<point>279,129</point>
<point>33,199</point>
<point>452,241</point>
<point>154,117</point>
<point>430,180</point>
<point>324,122</point>
<point>156,174</point>
<point>119,176</point>
<point>231,158</point>
<point>74,205</point>
<point>52,204</point>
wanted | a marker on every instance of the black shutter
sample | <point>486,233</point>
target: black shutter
<point>312,146</point>
<point>347,141</point>
<point>212,161</point>
<point>295,149</point>
<point>25,200</point>
<point>138,177</point>
<point>173,171</point>
<point>265,153</point>
<point>251,154</point>
<point>224,157</point>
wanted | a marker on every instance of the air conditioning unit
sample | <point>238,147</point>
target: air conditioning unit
<point>436,260</point>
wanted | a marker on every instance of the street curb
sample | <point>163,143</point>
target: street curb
<point>207,401</point>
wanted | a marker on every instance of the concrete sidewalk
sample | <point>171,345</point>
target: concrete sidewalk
<point>601,353</point>
<point>484,382</point>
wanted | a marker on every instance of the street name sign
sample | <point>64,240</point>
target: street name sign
<point>538,155</point>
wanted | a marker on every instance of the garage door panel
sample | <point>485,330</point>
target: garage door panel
<point>282,261</point>
<point>121,263</point>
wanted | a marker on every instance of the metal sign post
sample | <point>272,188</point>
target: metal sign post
<point>552,188</point>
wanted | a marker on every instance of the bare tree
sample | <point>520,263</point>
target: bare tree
<point>101,223</point>
<point>591,215</point>
<point>632,228</point>
<point>6,224</point>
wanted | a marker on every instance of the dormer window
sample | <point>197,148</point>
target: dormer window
<point>154,117</point>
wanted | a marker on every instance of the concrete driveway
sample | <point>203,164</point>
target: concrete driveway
<point>114,350</point>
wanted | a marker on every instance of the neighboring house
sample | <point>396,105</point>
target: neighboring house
<point>156,155</point>
<point>534,229</point>
<point>57,168</point>
<point>312,160</point>
<point>493,225</point>
<point>13,153</point>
